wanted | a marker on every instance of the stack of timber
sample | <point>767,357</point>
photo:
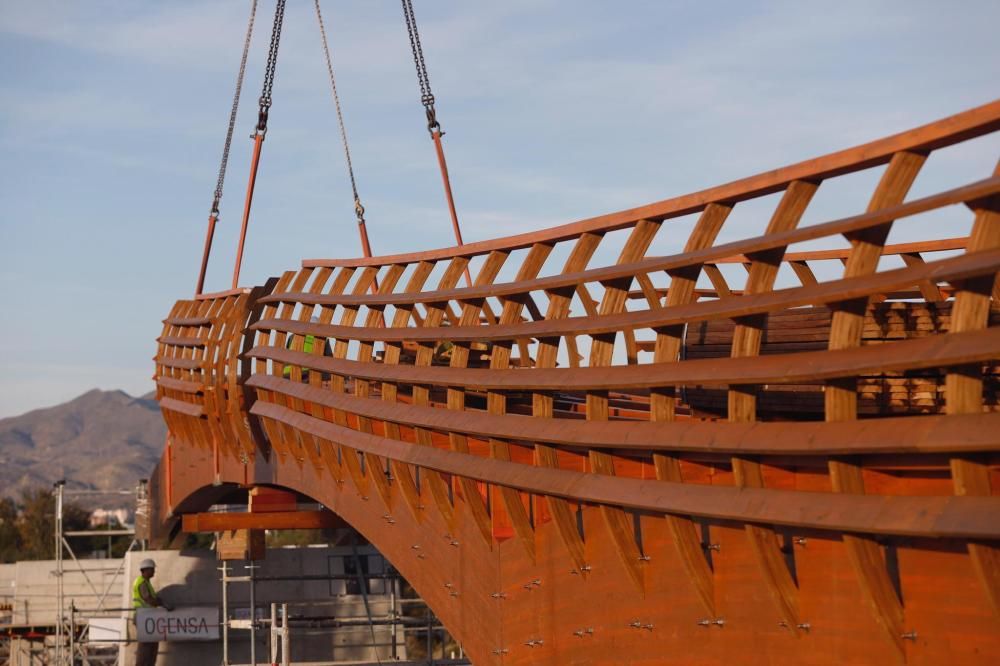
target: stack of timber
<point>808,329</point>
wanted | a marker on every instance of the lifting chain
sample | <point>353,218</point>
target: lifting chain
<point>232,115</point>
<point>433,126</point>
<point>272,61</point>
<point>213,214</point>
<point>359,210</point>
<point>426,96</point>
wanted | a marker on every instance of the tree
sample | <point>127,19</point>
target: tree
<point>36,524</point>
<point>9,537</point>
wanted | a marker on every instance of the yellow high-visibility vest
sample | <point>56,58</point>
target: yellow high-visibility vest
<point>137,600</point>
<point>307,347</point>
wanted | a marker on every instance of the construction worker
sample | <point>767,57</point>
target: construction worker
<point>144,596</point>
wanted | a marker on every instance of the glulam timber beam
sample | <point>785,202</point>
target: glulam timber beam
<point>278,520</point>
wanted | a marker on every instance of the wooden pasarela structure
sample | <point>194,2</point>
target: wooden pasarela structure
<point>569,471</point>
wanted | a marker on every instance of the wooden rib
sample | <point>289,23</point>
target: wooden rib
<point>238,399</point>
<point>541,402</point>
<point>403,473</point>
<point>330,453</point>
<point>662,406</point>
<point>222,441</point>
<point>323,453</point>
<point>307,444</point>
<point>945,132</point>
<point>338,286</point>
<point>964,393</point>
<point>471,312</point>
<point>197,428</point>
<point>284,439</point>
<point>292,441</point>
<point>351,457</point>
<point>316,447</point>
<point>261,365</point>
<point>747,336</point>
<point>929,290</point>
<point>496,403</point>
<point>227,354</point>
<point>421,395</point>
<point>366,353</point>
<point>619,524</point>
<point>840,397</point>
<point>803,272</point>
<point>718,280</point>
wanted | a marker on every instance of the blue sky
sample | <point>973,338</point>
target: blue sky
<point>113,118</point>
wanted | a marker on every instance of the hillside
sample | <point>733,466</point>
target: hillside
<point>99,440</point>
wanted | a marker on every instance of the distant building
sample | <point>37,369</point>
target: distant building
<point>105,516</point>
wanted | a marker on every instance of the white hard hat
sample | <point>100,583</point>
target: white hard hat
<point>147,564</point>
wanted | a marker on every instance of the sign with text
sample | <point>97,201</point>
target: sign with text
<point>182,624</point>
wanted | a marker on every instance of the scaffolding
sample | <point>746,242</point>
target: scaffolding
<point>370,616</point>
<point>289,619</point>
<point>70,645</point>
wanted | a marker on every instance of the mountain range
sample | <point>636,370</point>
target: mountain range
<point>101,440</point>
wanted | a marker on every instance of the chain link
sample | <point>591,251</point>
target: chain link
<point>426,96</point>
<point>359,210</point>
<point>272,61</point>
<point>232,114</point>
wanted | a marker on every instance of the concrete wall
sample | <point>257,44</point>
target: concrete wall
<point>194,579</point>
<point>85,584</point>
<point>7,578</point>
